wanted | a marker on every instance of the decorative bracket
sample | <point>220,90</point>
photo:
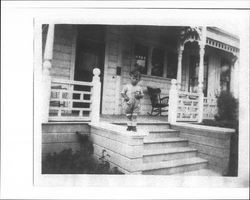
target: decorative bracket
<point>190,34</point>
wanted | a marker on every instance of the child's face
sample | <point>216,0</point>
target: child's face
<point>134,80</point>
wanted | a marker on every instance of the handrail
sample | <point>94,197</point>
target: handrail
<point>71,82</point>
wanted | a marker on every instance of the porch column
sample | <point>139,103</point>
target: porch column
<point>96,96</point>
<point>46,78</point>
<point>234,75</point>
<point>202,44</point>
<point>179,69</point>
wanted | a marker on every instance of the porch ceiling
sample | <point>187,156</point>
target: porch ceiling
<point>165,34</point>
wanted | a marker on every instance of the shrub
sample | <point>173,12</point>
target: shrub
<point>227,107</point>
<point>79,162</point>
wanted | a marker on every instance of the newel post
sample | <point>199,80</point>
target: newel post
<point>173,102</point>
<point>46,78</point>
<point>96,96</point>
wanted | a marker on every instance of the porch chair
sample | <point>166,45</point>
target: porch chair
<point>158,103</point>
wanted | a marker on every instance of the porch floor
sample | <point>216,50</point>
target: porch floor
<point>140,119</point>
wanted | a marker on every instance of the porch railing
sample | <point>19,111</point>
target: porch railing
<point>187,106</point>
<point>209,107</point>
<point>70,100</point>
<point>73,100</point>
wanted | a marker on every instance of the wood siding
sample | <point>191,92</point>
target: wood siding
<point>63,52</point>
<point>112,52</point>
<point>118,40</point>
<point>58,137</point>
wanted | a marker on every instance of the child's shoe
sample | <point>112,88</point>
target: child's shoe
<point>134,128</point>
<point>129,128</point>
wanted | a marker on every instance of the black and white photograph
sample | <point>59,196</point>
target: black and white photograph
<point>136,96</point>
<point>157,100</point>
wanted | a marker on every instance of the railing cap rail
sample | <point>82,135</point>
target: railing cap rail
<point>71,82</point>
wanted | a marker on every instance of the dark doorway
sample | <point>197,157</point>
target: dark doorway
<point>194,73</point>
<point>89,54</point>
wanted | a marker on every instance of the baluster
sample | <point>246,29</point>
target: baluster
<point>81,98</point>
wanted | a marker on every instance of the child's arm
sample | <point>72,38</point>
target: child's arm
<point>124,95</point>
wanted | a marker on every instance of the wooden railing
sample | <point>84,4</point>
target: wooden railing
<point>70,100</point>
<point>187,106</point>
<point>75,100</point>
<point>209,107</point>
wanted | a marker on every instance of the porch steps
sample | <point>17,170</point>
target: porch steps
<point>174,166</point>
<point>162,143</point>
<point>159,155</point>
<point>163,133</point>
<point>165,153</point>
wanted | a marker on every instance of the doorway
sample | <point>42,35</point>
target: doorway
<point>194,73</point>
<point>90,52</point>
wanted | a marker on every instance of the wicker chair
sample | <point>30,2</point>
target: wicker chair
<point>159,104</point>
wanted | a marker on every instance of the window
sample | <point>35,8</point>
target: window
<point>194,74</point>
<point>172,65</point>
<point>140,58</point>
<point>157,62</point>
<point>225,75</point>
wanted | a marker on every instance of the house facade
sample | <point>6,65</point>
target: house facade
<point>163,53</point>
<point>86,66</point>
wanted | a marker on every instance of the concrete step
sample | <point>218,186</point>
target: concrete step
<point>174,166</point>
<point>163,143</point>
<point>158,155</point>
<point>163,133</point>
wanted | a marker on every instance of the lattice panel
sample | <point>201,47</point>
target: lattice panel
<point>187,109</point>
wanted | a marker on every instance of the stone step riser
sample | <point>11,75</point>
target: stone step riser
<point>174,170</point>
<point>164,145</point>
<point>163,135</point>
<point>169,156</point>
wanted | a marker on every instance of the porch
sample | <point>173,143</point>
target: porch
<point>161,145</point>
<point>187,55</point>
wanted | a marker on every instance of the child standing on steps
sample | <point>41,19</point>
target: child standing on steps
<point>132,93</point>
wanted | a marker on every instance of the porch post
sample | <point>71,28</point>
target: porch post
<point>96,96</point>
<point>46,78</point>
<point>202,44</point>
<point>234,75</point>
<point>173,101</point>
<point>179,69</point>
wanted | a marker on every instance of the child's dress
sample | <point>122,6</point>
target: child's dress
<point>133,105</point>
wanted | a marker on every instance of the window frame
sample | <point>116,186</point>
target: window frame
<point>149,66</point>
